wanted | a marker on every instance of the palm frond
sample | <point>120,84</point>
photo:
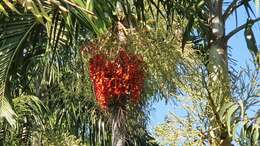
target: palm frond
<point>14,35</point>
<point>30,116</point>
<point>6,110</point>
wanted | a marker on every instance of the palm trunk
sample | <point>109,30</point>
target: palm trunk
<point>220,89</point>
<point>218,72</point>
<point>118,135</point>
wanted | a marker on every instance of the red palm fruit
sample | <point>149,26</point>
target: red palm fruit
<point>123,77</point>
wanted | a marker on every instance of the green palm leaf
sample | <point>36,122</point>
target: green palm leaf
<point>6,110</point>
<point>14,34</point>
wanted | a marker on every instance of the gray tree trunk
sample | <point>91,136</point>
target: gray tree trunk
<point>218,71</point>
<point>118,134</point>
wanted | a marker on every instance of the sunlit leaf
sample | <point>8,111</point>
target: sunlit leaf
<point>11,6</point>
<point>6,110</point>
<point>230,112</point>
<point>2,9</point>
<point>251,42</point>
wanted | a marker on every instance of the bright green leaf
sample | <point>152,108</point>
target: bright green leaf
<point>6,110</point>
<point>230,112</point>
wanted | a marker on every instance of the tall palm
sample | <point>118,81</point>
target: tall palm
<point>39,50</point>
<point>206,21</point>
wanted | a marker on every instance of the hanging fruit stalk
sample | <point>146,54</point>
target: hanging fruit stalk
<point>115,83</point>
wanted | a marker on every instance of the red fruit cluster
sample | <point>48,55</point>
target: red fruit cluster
<point>114,80</point>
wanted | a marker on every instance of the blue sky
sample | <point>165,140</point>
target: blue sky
<point>239,52</point>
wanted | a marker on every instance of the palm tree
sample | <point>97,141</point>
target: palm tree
<point>40,55</point>
<point>33,34</point>
<point>38,21</point>
<point>206,22</point>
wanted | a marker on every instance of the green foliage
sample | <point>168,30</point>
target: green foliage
<point>46,26</point>
<point>211,82</point>
<point>181,130</point>
<point>29,111</point>
<point>6,110</point>
<point>194,124</point>
<point>63,139</point>
<point>12,40</point>
<point>40,49</point>
<point>161,53</point>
